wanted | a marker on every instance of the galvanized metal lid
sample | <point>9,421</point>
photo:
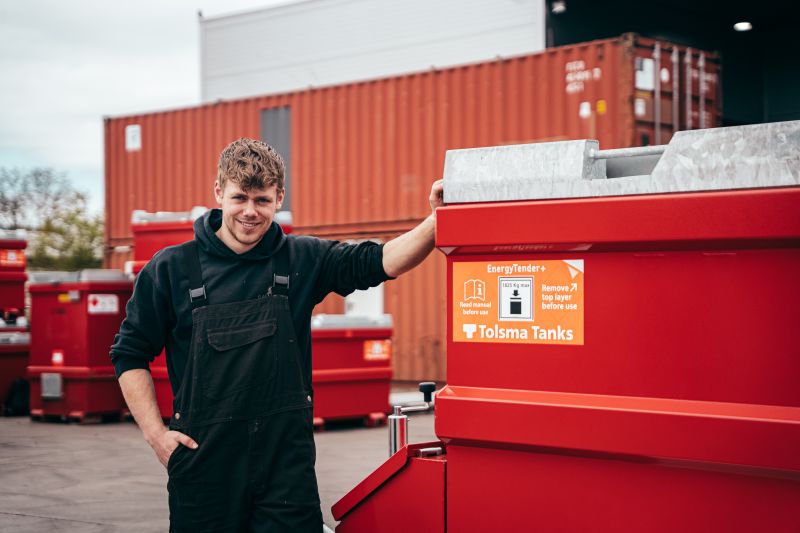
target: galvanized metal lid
<point>13,235</point>
<point>102,274</point>
<point>284,218</point>
<point>324,321</point>
<point>48,277</point>
<point>140,216</point>
<point>742,157</point>
<point>15,337</point>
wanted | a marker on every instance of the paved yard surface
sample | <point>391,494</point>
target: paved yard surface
<point>58,477</point>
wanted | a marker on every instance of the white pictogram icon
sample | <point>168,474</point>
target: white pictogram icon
<point>474,289</point>
<point>469,329</point>
<point>103,304</point>
<point>516,298</point>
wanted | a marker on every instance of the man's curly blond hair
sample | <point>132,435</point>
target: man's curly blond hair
<point>251,164</point>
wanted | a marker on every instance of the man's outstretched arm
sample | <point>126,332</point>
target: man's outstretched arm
<point>403,253</point>
<point>140,395</point>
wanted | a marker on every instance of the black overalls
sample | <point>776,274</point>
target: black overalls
<point>244,400</point>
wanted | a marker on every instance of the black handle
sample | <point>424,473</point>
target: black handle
<point>427,388</point>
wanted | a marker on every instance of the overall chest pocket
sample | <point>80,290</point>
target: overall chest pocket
<point>239,358</point>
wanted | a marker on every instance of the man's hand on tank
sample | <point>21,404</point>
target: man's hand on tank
<point>436,198</point>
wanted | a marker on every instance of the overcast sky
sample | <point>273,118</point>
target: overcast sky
<point>65,64</point>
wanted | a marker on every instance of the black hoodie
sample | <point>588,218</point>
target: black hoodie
<point>159,313</point>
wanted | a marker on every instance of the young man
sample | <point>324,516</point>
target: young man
<point>233,308</point>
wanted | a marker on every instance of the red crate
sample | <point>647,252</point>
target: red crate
<point>677,395</point>
<point>351,368</point>
<point>623,361</point>
<point>12,250</point>
<point>74,319</point>
<point>12,290</point>
<point>151,236</point>
<point>14,349</point>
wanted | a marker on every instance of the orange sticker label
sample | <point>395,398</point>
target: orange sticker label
<point>12,258</point>
<point>537,302</point>
<point>378,350</point>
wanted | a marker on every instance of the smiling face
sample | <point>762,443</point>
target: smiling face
<point>246,215</point>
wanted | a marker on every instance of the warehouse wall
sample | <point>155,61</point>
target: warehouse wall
<point>326,42</point>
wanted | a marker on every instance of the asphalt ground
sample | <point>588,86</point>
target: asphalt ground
<point>103,477</point>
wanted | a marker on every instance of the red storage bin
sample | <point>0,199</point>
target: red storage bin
<point>351,370</point>
<point>74,318</point>
<point>12,291</point>
<point>623,347</point>
<point>12,270</point>
<point>12,250</point>
<point>14,349</point>
<point>155,231</point>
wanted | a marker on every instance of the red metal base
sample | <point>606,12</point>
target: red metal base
<point>88,394</point>
<point>574,493</point>
<point>352,393</point>
<point>406,493</point>
<point>372,420</point>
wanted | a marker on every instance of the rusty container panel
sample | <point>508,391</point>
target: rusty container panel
<point>366,152</point>
<point>661,73</point>
<point>117,258</point>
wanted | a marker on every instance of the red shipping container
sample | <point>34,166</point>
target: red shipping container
<point>74,318</point>
<point>622,352</point>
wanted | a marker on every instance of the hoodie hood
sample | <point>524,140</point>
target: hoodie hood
<point>205,232</point>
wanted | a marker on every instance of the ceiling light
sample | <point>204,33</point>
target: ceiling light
<point>742,26</point>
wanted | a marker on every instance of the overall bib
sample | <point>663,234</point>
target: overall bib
<point>244,400</point>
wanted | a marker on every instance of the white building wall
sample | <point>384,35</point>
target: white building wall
<point>327,42</point>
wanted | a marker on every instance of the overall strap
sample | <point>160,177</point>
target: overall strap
<point>281,272</point>
<point>197,289</point>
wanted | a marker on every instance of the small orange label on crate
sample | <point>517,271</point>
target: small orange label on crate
<point>12,258</point>
<point>525,302</point>
<point>378,350</point>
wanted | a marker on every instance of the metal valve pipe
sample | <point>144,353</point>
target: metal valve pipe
<point>398,420</point>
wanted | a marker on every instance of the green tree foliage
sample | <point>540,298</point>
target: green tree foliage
<point>62,233</point>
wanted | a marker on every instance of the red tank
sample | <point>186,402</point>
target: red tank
<point>351,370</point>
<point>74,318</point>
<point>622,340</point>
<point>12,270</point>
